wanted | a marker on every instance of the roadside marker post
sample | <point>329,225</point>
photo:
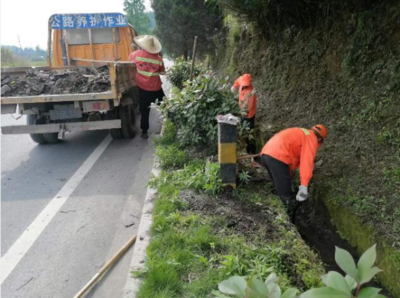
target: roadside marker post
<point>227,138</point>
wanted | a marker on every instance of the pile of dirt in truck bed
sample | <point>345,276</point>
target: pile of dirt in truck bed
<point>36,82</point>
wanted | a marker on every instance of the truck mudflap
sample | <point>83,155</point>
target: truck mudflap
<point>61,128</point>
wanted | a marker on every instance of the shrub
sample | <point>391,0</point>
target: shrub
<point>180,72</point>
<point>193,110</point>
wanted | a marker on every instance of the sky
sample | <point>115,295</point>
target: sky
<point>28,18</point>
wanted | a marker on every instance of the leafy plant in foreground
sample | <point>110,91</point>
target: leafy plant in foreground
<point>337,286</point>
<point>253,288</point>
<point>350,285</point>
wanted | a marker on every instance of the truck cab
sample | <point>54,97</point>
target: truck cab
<point>101,37</point>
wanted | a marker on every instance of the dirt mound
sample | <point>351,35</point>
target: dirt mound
<point>36,82</point>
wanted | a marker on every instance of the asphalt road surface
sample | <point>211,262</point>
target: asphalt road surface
<point>67,208</point>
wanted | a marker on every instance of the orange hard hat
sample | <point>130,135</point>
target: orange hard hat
<point>321,130</point>
<point>245,80</point>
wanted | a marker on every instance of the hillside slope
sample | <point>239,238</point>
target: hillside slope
<point>345,74</point>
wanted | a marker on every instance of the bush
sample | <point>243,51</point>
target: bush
<point>180,73</point>
<point>194,109</point>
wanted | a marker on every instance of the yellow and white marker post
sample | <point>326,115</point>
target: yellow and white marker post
<point>227,139</point>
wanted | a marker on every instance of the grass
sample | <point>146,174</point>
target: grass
<point>192,251</point>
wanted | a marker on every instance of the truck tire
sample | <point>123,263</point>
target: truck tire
<point>51,138</point>
<point>128,123</point>
<point>116,134</point>
<point>37,137</point>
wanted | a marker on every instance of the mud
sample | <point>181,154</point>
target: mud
<point>37,82</point>
<point>313,223</point>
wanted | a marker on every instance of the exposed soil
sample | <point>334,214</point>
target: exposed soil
<point>37,82</point>
<point>244,218</point>
<point>253,220</point>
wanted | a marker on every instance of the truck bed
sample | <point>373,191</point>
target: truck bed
<point>121,76</point>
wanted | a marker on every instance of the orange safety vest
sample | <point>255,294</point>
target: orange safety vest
<point>149,66</point>
<point>247,101</point>
<point>294,147</point>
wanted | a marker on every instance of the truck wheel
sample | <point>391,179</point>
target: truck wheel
<point>127,114</point>
<point>116,134</point>
<point>37,137</point>
<point>51,138</point>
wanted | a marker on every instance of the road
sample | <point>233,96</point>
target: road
<point>67,208</point>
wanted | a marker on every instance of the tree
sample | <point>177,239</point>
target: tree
<point>7,57</point>
<point>179,21</point>
<point>10,59</point>
<point>137,17</point>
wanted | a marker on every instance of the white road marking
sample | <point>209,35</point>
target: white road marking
<point>18,250</point>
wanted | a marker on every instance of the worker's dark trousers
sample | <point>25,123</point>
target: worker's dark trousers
<point>145,100</point>
<point>280,174</point>
<point>251,146</point>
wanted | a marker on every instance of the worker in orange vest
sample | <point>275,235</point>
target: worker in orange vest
<point>248,103</point>
<point>149,66</point>
<point>288,150</point>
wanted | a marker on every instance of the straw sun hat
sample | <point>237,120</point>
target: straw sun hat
<point>148,43</point>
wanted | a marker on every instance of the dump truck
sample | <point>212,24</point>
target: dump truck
<point>77,42</point>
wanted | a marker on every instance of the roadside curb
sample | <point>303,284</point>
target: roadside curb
<point>132,284</point>
<point>143,239</point>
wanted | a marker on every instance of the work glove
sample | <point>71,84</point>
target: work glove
<point>302,195</point>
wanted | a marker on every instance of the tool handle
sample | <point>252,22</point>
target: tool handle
<point>111,262</point>
<point>248,156</point>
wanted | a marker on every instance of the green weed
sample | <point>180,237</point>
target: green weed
<point>171,157</point>
<point>244,177</point>
<point>194,175</point>
<point>168,136</point>
<point>162,280</point>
